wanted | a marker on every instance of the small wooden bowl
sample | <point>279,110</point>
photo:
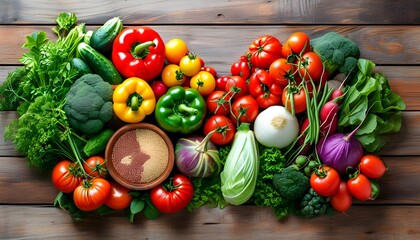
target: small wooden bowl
<point>139,156</point>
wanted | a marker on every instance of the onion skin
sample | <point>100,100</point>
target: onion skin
<point>195,158</point>
<point>340,151</point>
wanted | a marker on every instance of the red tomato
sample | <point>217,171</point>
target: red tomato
<point>298,96</point>
<point>311,67</point>
<point>221,82</point>
<point>159,89</point>
<point>222,128</point>
<point>90,195</point>
<point>281,71</point>
<point>210,70</point>
<point>342,199</point>
<point>218,103</point>
<point>264,50</point>
<point>264,90</point>
<point>372,166</point>
<point>65,177</point>
<point>241,69</point>
<point>95,166</point>
<point>175,197</point>
<point>298,43</point>
<point>120,198</point>
<point>360,187</point>
<point>237,85</point>
<point>244,109</point>
<point>325,181</point>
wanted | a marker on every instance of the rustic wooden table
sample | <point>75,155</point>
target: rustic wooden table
<point>387,32</point>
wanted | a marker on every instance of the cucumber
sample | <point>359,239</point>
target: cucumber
<point>103,37</point>
<point>97,143</point>
<point>99,64</point>
<point>81,66</point>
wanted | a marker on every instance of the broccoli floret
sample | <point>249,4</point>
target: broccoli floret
<point>88,104</point>
<point>290,183</point>
<point>313,205</point>
<point>337,53</point>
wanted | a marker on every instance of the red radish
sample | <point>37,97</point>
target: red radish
<point>329,118</point>
<point>337,95</point>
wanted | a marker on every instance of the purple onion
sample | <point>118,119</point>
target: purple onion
<point>196,156</point>
<point>340,151</point>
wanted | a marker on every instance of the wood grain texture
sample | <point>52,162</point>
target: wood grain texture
<point>215,12</point>
<point>382,44</point>
<point>245,222</point>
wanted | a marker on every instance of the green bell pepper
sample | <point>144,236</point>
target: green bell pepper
<point>180,110</point>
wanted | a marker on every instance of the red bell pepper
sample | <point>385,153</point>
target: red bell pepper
<point>139,52</point>
<point>264,89</point>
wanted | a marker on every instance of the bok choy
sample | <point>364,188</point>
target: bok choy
<point>240,172</point>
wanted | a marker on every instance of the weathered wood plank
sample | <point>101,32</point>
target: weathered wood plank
<point>22,185</point>
<point>218,12</point>
<point>382,44</point>
<point>249,222</point>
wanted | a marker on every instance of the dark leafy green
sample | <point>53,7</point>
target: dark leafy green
<point>369,100</point>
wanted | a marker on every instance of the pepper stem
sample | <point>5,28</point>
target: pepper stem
<point>184,108</point>
<point>134,101</point>
<point>142,49</point>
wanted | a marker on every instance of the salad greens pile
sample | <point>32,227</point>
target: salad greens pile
<point>382,117</point>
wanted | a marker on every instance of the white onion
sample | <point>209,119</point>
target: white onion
<point>276,127</point>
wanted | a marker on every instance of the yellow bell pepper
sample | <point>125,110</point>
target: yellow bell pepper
<point>133,100</point>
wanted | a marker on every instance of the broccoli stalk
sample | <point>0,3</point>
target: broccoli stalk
<point>337,52</point>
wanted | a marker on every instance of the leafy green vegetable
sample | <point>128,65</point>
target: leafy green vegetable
<point>369,99</point>
<point>65,22</point>
<point>272,161</point>
<point>9,97</point>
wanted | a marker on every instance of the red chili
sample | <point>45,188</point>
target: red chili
<point>139,52</point>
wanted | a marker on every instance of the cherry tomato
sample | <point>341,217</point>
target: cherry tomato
<point>218,103</point>
<point>190,65</point>
<point>172,75</point>
<point>241,69</point>
<point>264,90</point>
<point>120,198</point>
<point>91,194</point>
<point>159,88</point>
<point>237,85</point>
<point>325,181</point>
<point>95,166</point>
<point>264,50</point>
<point>311,67</point>
<point>175,50</point>
<point>342,199</point>
<point>281,71</point>
<point>65,177</point>
<point>224,130</point>
<point>204,82</point>
<point>298,43</point>
<point>175,197</point>
<point>210,70</point>
<point>244,109</point>
<point>372,166</point>
<point>221,82</point>
<point>360,187</point>
<point>298,96</point>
